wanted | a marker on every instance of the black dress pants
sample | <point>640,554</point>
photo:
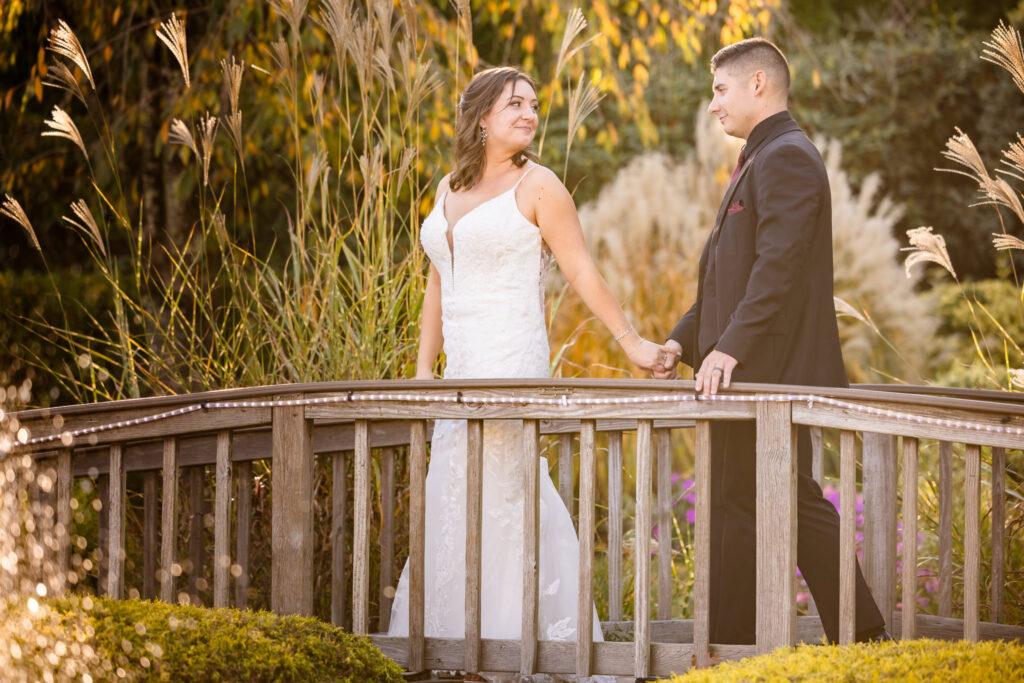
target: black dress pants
<point>733,540</point>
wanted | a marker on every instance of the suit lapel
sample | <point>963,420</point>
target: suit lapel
<point>719,219</point>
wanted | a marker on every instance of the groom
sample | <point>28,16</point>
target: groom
<point>764,313</point>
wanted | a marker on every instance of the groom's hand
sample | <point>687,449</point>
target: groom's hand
<point>715,372</point>
<point>668,370</point>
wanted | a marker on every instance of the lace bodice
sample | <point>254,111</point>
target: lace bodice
<point>492,288</point>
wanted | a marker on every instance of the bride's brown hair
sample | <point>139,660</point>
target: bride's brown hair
<point>482,92</point>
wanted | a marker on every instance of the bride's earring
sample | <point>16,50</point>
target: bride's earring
<point>483,137</point>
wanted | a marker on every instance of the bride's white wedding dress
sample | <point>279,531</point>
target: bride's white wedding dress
<point>492,301</point>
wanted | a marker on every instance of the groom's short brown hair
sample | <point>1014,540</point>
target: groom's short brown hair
<point>755,54</point>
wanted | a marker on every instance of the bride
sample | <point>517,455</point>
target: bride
<point>497,220</point>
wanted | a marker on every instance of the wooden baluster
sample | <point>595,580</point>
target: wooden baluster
<point>879,487</point>
<point>585,582</point>
<point>150,527</point>
<point>945,596</point>
<point>361,532</point>
<point>972,541</point>
<point>243,531</point>
<point>663,438</point>
<point>102,532</point>
<point>339,492</point>
<point>615,526</point>
<point>531,545</point>
<point>565,471</point>
<point>642,555</point>
<point>417,529</point>
<point>169,520</point>
<point>702,542</point>
<point>387,535</point>
<point>291,575</point>
<point>847,536</point>
<point>116,519</point>
<point>474,492</point>
<point>65,486</point>
<point>197,532</point>
<point>909,538</point>
<point>998,533</point>
<point>776,526</point>
<point>222,521</point>
<point>818,474</point>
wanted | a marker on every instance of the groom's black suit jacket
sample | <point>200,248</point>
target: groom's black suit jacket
<point>765,285</point>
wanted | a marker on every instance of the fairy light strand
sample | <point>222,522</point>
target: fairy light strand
<point>564,401</point>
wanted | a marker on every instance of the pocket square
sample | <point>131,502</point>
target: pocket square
<point>736,207</point>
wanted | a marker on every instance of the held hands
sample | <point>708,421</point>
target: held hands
<point>668,369</point>
<point>648,355</point>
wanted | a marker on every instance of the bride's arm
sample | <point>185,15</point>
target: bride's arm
<point>431,335</point>
<point>431,338</point>
<point>555,214</point>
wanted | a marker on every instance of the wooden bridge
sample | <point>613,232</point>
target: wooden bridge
<point>177,437</point>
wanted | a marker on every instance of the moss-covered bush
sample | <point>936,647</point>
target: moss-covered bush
<point>917,660</point>
<point>139,640</point>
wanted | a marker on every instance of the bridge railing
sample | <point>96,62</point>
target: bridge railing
<point>354,422</point>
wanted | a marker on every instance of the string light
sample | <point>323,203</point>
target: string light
<point>562,401</point>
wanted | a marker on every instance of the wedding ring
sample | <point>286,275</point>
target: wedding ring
<point>718,369</point>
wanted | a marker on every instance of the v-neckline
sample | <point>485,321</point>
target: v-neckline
<point>449,228</point>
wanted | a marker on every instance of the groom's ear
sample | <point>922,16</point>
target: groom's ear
<point>759,80</point>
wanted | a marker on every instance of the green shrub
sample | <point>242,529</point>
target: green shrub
<point>917,660</point>
<point>182,643</point>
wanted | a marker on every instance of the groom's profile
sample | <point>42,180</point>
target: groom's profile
<point>764,313</point>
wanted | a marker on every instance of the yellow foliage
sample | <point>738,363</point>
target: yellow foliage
<point>916,660</point>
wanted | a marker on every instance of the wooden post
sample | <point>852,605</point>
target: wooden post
<point>565,471</point>
<point>150,504</point>
<point>169,520</point>
<point>642,555</point>
<point>222,522</point>
<point>585,582</point>
<point>474,494</point>
<point>945,596</point>
<point>116,517</point>
<point>531,545</point>
<point>972,541</point>
<point>702,543</point>
<point>818,474</point>
<point>879,487</point>
<point>65,486</point>
<point>998,533</point>
<point>615,526</point>
<point>776,526</point>
<point>339,491</point>
<point>663,439</point>
<point>197,529</point>
<point>291,575</point>
<point>387,535</point>
<point>361,531</point>
<point>417,550</point>
<point>243,527</point>
<point>847,536</point>
<point>909,617</point>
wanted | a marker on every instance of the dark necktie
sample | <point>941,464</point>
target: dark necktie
<point>739,165</point>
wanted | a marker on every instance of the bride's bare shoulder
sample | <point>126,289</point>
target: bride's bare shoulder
<point>542,183</point>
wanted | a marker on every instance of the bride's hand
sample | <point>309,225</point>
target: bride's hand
<point>423,374</point>
<point>645,354</point>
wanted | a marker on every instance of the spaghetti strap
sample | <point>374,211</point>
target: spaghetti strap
<point>525,173</point>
